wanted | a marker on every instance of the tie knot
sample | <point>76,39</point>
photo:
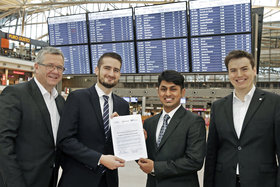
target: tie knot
<point>106,97</point>
<point>166,117</point>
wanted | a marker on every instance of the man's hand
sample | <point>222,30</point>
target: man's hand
<point>146,165</point>
<point>111,162</point>
<point>145,134</point>
<point>115,114</point>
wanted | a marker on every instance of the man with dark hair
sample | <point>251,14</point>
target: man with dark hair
<point>175,138</point>
<point>29,118</point>
<point>243,143</point>
<point>84,134</point>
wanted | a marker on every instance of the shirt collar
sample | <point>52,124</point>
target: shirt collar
<point>100,92</point>
<point>43,90</point>
<point>171,113</point>
<point>249,95</point>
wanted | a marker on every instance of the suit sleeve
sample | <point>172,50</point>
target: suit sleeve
<point>10,120</point>
<point>193,158</point>
<point>211,153</point>
<point>68,131</point>
<point>277,135</point>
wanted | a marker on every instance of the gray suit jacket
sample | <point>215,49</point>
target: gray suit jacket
<point>181,151</point>
<point>27,149</point>
<point>255,150</point>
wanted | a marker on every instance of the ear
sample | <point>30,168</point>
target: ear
<point>36,66</point>
<point>183,92</point>
<point>255,70</point>
<point>96,70</point>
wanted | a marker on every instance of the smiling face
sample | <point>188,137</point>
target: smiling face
<point>49,78</point>
<point>241,74</point>
<point>170,94</point>
<point>108,74</point>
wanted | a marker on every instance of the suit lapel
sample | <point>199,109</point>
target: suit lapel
<point>40,102</point>
<point>96,105</point>
<point>176,119</point>
<point>229,113</point>
<point>256,101</point>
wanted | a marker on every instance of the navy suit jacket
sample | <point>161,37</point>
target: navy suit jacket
<point>81,138</point>
<point>181,151</point>
<point>28,155</point>
<point>256,150</point>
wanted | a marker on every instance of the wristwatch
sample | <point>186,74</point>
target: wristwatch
<point>152,172</point>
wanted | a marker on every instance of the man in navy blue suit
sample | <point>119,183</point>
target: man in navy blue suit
<point>83,137</point>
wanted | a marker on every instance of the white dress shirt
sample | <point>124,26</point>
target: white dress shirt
<point>160,121</point>
<point>239,112</point>
<point>49,99</point>
<point>100,94</point>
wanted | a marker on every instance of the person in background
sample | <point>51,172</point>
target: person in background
<point>175,138</point>
<point>29,120</point>
<point>244,136</point>
<point>84,134</point>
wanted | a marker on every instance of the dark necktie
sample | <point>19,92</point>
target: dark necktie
<point>163,128</point>
<point>106,116</point>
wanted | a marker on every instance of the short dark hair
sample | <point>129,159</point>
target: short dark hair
<point>171,76</point>
<point>109,54</point>
<point>239,54</point>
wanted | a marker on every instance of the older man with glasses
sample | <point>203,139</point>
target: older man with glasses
<point>30,114</point>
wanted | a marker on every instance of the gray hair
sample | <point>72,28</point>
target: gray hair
<point>48,50</point>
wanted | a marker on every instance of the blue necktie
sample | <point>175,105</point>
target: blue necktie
<point>163,128</point>
<point>106,116</point>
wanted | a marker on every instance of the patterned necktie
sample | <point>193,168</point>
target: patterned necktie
<point>106,116</point>
<point>163,128</point>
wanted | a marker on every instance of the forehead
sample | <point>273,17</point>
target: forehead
<point>52,58</point>
<point>167,84</point>
<point>239,62</point>
<point>108,61</point>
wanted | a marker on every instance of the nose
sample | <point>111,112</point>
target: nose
<point>239,73</point>
<point>167,92</point>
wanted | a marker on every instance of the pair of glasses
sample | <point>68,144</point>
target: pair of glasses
<point>51,67</point>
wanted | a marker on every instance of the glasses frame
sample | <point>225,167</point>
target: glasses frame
<point>51,67</point>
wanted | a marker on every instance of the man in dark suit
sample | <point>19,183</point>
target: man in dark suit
<point>84,133</point>
<point>175,138</point>
<point>244,136</point>
<point>29,121</point>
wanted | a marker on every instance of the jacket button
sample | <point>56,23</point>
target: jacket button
<point>239,148</point>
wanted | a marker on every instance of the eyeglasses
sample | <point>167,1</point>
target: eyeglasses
<point>51,67</point>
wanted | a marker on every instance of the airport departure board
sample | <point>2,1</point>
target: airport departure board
<point>157,55</point>
<point>111,26</point>
<point>68,30</point>
<point>76,59</point>
<point>161,21</point>
<point>208,17</point>
<point>208,53</point>
<point>124,49</point>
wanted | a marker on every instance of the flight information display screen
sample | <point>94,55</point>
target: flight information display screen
<point>208,17</point>
<point>157,55</point>
<point>208,53</point>
<point>124,49</point>
<point>161,21</point>
<point>68,30</point>
<point>116,25</point>
<point>76,59</point>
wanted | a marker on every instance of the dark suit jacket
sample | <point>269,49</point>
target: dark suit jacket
<point>27,148</point>
<point>181,151</point>
<point>82,139</point>
<point>255,150</point>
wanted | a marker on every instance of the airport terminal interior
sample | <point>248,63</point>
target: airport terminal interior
<point>151,36</point>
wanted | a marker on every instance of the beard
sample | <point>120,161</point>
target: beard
<point>107,85</point>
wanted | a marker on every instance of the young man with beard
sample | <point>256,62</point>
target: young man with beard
<point>84,133</point>
<point>244,137</point>
<point>175,138</point>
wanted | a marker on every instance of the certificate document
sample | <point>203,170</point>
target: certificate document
<point>128,137</point>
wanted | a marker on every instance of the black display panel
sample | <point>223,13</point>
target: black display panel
<point>161,21</point>
<point>68,30</point>
<point>158,55</point>
<point>124,49</point>
<point>208,53</point>
<point>76,59</point>
<point>116,25</point>
<point>208,17</point>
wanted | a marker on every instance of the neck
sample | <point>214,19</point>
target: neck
<point>107,91</point>
<point>242,93</point>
